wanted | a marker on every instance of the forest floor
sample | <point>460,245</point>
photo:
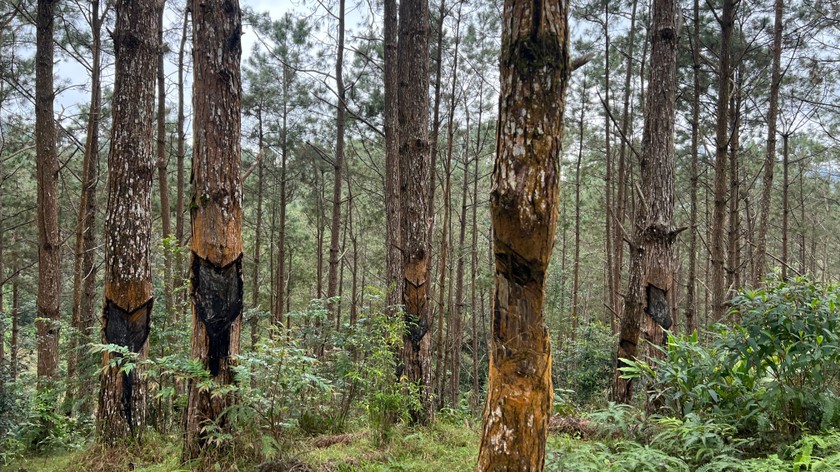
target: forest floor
<point>448,446</point>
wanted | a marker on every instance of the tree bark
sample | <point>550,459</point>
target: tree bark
<point>180,191</point>
<point>127,313</point>
<point>338,166</point>
<point>621,187</point>
<point>733,273</point>
<point>770,154</point>
<point>280,281</point>
<point>576,275</point>
<point>785,203</point>
<point>727,22</point>
<point>647,303</point>
<point>47,169</point>
<point>534,71</point>
<point>84,269</point>
<point>14,346</point>
<point>163,178</point>
<point>255,277</point>
<point>415,175</point>
<point>216,210</point>
<point>691,283</point>
<point>393,240</point>
<point>610,281</point>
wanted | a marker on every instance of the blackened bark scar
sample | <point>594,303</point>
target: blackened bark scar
<point>657,306</point>
<point>217,293</point>
<point>129,329</point>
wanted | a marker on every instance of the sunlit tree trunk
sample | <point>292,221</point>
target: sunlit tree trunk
<point>534,71</point>
<point>126,317</point>
<point>216,210</point>
<point>647,307</point>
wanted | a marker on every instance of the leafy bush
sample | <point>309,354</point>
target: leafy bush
<point>789,342</point>
<point>776,373</point>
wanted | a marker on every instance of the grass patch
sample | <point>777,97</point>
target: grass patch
<point>441,446</point>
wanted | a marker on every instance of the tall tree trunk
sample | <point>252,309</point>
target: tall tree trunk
<point>691,284</point>
<point>14,346</point>
<point>415,175</point>
<point>770,154</point>
<point>255,277</point>
<point>446,232</point>
<point>2,301</point>
<point>216,210</point>
<point>179,201</point>
<point>621,188</point>
<point>127,314</point>
<point>803,268</point>
<point>474,272</point>
<point>163,178</point>
<point>648,300</point>
<point>457,325</point>
<point>280,281</point>
<point>727,22</point>
<point>338,165</point>
<point>79,388</point>
<point>733,279</point>
<point>576,275</point>
<point>354,241</point>
<point>534,71</point>
<point>393,254</point>
<point>611,289</point>
<point>435,131</point>
<point>47,169</point>
<point>319,236</point>
<point>785,203</point>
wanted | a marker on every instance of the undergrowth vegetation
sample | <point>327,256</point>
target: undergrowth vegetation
<point>757,395</point>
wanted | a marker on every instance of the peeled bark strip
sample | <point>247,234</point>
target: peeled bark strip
<point>415,173</point>
<point>523,206</point>
<point>128,277</point>
<point>216,209</point>
<point>647,307</point>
